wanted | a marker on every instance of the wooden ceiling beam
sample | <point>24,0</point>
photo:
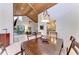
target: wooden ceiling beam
<point>32,8</point>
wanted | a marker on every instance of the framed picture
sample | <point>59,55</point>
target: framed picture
<point>41,27</point>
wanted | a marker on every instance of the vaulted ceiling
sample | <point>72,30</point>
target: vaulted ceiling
<point>30,9</point>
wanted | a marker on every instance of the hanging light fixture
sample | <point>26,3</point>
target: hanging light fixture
<point>46,17</point>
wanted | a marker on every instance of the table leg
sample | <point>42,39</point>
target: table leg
<point>21,51</point>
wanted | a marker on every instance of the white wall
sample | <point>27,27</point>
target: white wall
<point>35,27</point>
<point>26,22</point>
<point>44,31</point>
<point>67,20</point>
<point>6,19</point>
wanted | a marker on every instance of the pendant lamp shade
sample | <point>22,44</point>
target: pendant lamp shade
<point>46,17</point>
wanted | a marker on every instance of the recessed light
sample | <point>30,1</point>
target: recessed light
<point>22,8</point>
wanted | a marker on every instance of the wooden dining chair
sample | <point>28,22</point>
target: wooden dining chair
<point>74,45</point>
<point>3,49</point>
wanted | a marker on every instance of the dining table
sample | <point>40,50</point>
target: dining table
<point>38,47</point>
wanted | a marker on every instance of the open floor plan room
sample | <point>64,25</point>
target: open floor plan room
<point>39,29</point>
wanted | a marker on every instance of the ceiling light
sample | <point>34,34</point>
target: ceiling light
<point>46,17</point>
<point>45,20</point>
<point>22,8</point>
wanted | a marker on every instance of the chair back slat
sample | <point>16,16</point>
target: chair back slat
<point>73,45</point>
